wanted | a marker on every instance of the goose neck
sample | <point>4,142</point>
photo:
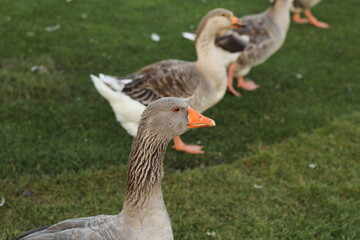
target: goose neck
<point>279,8</point>
<point>279,13</point>
<point>205,46</point>
<point>145,170</point>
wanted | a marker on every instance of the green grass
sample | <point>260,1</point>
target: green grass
<point>59,137</point>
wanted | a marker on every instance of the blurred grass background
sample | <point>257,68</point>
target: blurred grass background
<point>60,141</point>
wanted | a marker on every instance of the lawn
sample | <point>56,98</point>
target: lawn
<point>282,162</point>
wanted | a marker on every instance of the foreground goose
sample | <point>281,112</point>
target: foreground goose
<point>253,44</point>
<point>201,83</point>
<point>144,215</point>
<point>304,6</point>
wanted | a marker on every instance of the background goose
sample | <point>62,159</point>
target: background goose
<point>304,6</point>
<point>251,45</point>
<point>144,214</point>
<point>201,83</point>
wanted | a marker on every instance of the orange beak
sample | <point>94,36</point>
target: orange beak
<point>196,120</point>
<point>235,22</point>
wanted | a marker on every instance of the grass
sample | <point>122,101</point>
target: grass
<point>60,140</point>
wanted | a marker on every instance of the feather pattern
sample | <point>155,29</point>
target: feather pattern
<point>78,228</point>
<point>162,79</point>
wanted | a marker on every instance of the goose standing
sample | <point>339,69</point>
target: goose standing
<point>262,36</point>
<point>201,83</point>
<point>144,215</point>
<point>304,6</point>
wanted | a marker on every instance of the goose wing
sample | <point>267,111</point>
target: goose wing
<point>300,4</point>
<point>232,42</point>
<point>253,37</point>
<point>91,228</point>
<point>162,79</point>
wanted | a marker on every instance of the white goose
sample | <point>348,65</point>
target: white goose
<point>144,215</point>
<point>304,6</point>
<point>246,47</point>
<point>201,83</point>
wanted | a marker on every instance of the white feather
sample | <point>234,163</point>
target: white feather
<point>126,81</point>
<point>245,38</point>
<point>127,110</point>
<point>189,36</point>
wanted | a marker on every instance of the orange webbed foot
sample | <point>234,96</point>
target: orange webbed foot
<point>233,91</point>
<point>298,19</point>
<point>247,85</point>
<point>192,149</point>
<point>179,145</point>
<point>314,21</point>
<point>230,87</point>
<point>320,24</point>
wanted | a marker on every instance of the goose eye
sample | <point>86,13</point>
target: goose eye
<point>176,109</point>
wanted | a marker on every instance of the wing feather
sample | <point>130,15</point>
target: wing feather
<point>163,79</point>
<point>76,228</point>
<point>254,30</point>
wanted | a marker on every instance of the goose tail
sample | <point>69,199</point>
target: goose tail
<point>126,109</point>
<point>109,87</point>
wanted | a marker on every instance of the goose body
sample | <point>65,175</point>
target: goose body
<point>300,5</point>
<point>144,215</point>
<point>201,83</point>
<point>303,6</point>
<point>129,95</point>
<point>262,36</point>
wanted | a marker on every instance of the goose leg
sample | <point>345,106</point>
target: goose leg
<point>247,85</point>
<point>297,18</point>
<point>179,145</point>
<point>314,21</point>
<point>230,87</point>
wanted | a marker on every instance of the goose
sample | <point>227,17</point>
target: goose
<point>304,6</point>
<point>144,215</point>
<point>201,83</point>
<point>262,36</point>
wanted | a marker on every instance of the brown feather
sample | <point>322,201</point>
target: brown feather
<point>162,79</point>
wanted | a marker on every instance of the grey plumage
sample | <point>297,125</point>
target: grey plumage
<point>300,5</point>
<point>265,31</point>
<point>162,79</point>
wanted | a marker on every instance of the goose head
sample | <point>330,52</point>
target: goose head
<point>169,117</point>
<point>215,21</point>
